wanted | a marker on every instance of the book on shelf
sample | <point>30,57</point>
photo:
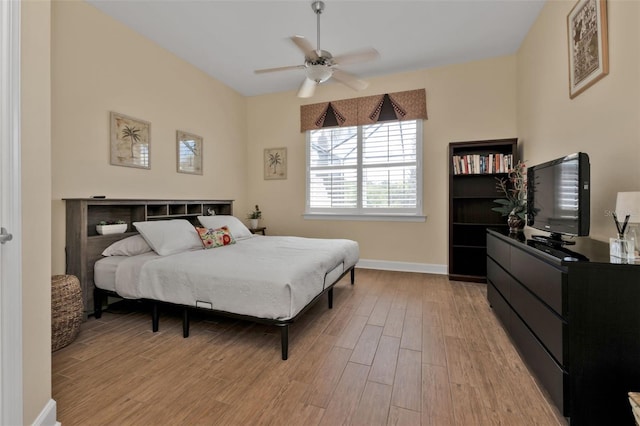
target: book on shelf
<point>476,164</point>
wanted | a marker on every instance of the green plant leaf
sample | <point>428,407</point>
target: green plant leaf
<point>502,201</point>
<point>504,210</point>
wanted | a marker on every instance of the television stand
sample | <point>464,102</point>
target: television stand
<point>553,240</point>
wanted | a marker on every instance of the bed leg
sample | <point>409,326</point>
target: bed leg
<point>284,340</point>
<point>97,303</point>
<point>353,275</point>
<point>155,317</point>
<point>330,297</point>
<point>185,323</point>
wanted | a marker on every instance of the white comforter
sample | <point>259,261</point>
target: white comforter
<point>265,277</point>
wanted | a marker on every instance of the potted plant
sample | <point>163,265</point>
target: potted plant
<point>106,227</point>
<point>514,205</point>
<point>254,216</point>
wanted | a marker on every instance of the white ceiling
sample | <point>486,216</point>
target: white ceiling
<point>230,39</point>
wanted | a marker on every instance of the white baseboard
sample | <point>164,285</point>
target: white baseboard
<point>47,416</point>
<point>386,265</point>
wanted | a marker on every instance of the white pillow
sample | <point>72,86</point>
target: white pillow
<point>130,246</point>
<point>169,236</point>
<point>236,227</point>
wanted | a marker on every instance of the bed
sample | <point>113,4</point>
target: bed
<point>267,279</point>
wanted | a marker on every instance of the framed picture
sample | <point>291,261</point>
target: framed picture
<point>189,153</point>
<point>588,45</point>
<point>275,163</point>
<point>130,141</point>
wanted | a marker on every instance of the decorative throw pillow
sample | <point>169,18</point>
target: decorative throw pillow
<point>237,228</point>
<point>130,246</point>
<point>219,237</point>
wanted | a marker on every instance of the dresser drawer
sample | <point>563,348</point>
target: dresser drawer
<point>499,278</point>
<point>546,324</point>
<point>550,374</point>
<point>498,251</point>
<point>499,305</point>
<point>543,279</point>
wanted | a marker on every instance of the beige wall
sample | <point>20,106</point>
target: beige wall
<point>603,121</point>
<point>100,66</point>
<point>36,211</point>
<point>464,102</point>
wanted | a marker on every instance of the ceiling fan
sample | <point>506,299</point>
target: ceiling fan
<point>320,65</point>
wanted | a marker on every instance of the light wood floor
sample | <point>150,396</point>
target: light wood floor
<point>397,348</point>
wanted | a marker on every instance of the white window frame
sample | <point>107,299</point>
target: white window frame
<point>363,214</point>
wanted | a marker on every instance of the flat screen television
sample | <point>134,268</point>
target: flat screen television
<point>558,199</point>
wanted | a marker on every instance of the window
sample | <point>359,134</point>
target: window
<point>365,170</point>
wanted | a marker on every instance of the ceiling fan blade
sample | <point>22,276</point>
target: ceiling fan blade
<point>349,79</point>
<point>363,55</point>
<point>304,45</point>
<point>290,67</point>
<point>307,88</point>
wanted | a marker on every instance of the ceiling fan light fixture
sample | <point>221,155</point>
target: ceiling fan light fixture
<point>318,73</point>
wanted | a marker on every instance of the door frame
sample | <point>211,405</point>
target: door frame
<point>11,377</point>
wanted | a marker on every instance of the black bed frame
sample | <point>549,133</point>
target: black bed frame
<point>99,295</point>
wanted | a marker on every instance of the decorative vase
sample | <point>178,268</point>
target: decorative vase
<point>515,222</point>
<point>253,223</point>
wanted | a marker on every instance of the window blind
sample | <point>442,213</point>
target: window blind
<point>365,169</point>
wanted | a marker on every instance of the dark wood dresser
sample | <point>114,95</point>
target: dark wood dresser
<point>574,315</point>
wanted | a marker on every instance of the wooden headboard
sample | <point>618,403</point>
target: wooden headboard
<point>84,246</point>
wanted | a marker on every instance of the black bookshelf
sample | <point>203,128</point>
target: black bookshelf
<point>473,169</point>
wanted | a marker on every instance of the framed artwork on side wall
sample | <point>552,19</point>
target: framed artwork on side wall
<point>275,163</point>
<point>588,45</point>
<point>130,141</point>
<point>189,153</point>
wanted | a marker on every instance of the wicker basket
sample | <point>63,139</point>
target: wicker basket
<point>67,311</point>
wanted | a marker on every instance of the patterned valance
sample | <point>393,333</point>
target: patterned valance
<point>409,105</point>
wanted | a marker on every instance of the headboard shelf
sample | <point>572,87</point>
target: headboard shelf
<point>112,237</point>
<point>84,245</point>
<point>158,210</point>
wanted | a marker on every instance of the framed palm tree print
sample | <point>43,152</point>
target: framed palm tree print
<point>275,163</point>
<point>130,141</point>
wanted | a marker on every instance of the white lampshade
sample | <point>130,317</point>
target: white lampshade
<point>318,73</point>
<point>628,203</point>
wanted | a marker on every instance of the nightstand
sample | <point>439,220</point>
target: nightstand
<point>260,230</point>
